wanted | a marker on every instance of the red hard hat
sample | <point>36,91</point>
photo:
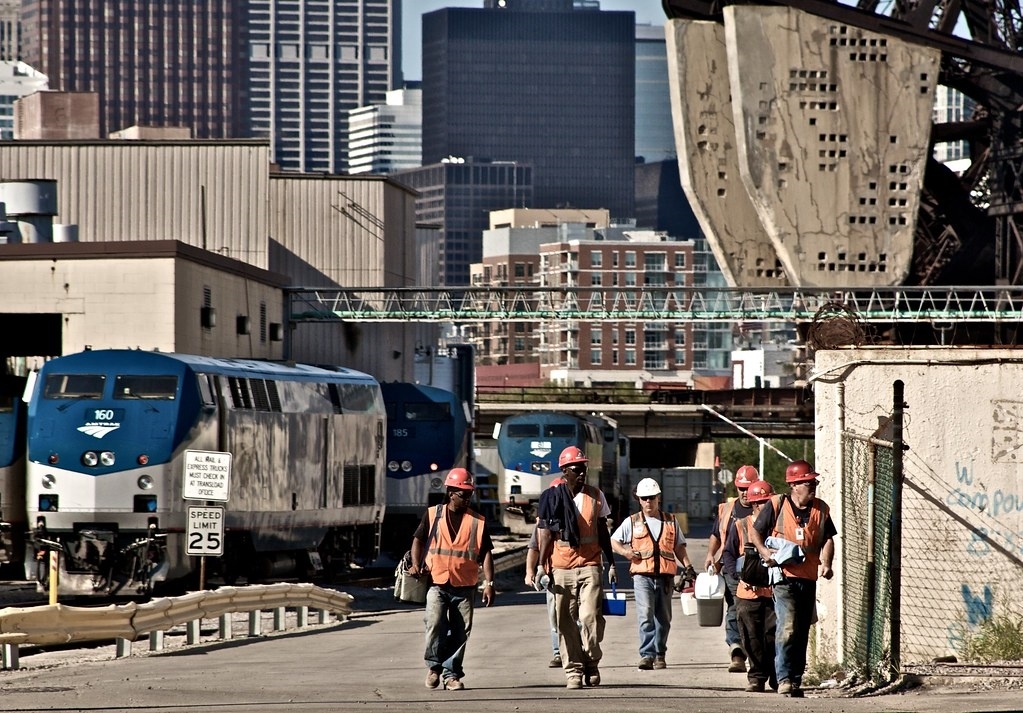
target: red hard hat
<point>746,476</point>
<point>799,471</point>
<point>571,455</point>
<point>759,492</point>
<point>459,478</point>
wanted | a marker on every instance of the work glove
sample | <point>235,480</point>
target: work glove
<point>612,576</point>
<point>679,582</point>
<point>688,577</point>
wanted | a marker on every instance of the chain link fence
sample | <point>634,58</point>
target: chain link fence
<point>866,538</point>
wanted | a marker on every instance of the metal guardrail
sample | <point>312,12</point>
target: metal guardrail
<point>125,623</point>
<point>660,303</point>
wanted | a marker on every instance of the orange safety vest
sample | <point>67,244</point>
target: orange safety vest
<point>455,561</point>
<point>746,591</point>
<point>812,540</point>
<point>725,510</point>
<point>588,552</point>
<point>643,542</point>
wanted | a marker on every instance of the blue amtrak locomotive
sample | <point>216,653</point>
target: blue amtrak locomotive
<point>107,441</point>
<point>12,473</point>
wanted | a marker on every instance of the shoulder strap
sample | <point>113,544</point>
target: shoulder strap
<point>433,530</point>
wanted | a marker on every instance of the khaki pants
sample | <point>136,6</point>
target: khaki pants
<point>578,595</point>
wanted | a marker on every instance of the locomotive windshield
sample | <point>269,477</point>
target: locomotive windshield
<point>559,430</point>
<point>522,430</point>
<point>135,386</point>
<point>427,412</point>
<point>74,386</point>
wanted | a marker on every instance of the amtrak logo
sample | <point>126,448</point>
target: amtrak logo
<point>540,449</point>
<point>98,430</point>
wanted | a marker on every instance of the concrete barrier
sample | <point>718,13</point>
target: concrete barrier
<point>124,623</point>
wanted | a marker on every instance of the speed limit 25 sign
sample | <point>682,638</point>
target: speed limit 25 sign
<point>205,531</point>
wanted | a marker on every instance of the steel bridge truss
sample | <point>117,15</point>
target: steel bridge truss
<point>535,304</point>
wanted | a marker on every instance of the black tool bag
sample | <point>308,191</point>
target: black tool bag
<point>753,573</point>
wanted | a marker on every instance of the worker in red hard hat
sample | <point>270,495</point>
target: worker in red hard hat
<point>572,536</point>
<point>727,513</point>
<point>537,579</point>
<point>450,544</point>
<point>799,519</point>
<point>754,604</point>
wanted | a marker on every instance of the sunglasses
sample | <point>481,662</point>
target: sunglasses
<point>576,468</point>
<point>809,483</point>
<point>460,494</point>
<point>647,497</point>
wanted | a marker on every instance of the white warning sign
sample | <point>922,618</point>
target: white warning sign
<point>207,476</point>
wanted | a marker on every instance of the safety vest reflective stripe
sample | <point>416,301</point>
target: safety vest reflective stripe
<point>454,561</point>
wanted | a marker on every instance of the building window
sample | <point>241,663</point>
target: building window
<point>595,279</point>
<point>614,258</point>
<point>680,261</point>
<point>680,357</point>
<point>596,337</point>
<point>654,262</point>
<point>630,258</point>
<point>614,335</point>
<point>630,336</point>
<point>520,269</point>
<point>614,357</point>
<point>630,279</point>
<point>630,357</point>
<point>680,336</point>
<point>596,258</point>
<point>595,357</point>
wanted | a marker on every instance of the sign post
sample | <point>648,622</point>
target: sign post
<point>207,478</point>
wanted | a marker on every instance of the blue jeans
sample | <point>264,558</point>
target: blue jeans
<point>794,602</point>
<point>653,607</point>
<point>552,617</point>
<point>448,622</point>
<point>732,637</point>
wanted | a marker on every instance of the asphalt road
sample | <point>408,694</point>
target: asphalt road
<point>373,662</point>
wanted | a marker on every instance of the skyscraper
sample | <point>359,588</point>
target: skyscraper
<point>286,70</point>
<point>169,63</point>
<point>383,138</point>
<point>309,63</point>
<point>553,88</point>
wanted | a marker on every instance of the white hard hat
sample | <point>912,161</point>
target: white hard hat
<point>647,486</point>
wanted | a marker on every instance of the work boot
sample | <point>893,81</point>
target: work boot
<point>592,677</point>
<point>454,684</point>
<point>432,678</point>
<point>555,662</point>
<point>797,689</point>
<point>645,664</point>
<point>784,688</point>
<point>755,687</point>
<point>659,662</point>
<point>574,682</point>
<point>738,664</point>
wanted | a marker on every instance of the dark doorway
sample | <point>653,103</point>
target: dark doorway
<point>30,335</point>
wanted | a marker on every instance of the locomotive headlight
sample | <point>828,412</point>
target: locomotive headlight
<point>143,459</point>
<point>107,458</point>
<point>49,480</point>
<point>53,459</point>
<point>90,459</point>
<point>406,465</point>
<point>434,467</point>
<point>392,465</point>
<point>435,483</point>
<point>145,482</point>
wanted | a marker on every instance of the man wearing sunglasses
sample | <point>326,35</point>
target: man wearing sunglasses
<point>572,536</point>
<point>802,519</point>
<point>654,544</point>
<point>450,543</point>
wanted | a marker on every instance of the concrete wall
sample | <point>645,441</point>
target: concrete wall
<point>145,300</point>
<point>963,496</point>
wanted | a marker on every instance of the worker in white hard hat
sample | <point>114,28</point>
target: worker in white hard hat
<point>654,544</point>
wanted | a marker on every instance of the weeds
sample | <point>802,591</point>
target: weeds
<point>999,638</point>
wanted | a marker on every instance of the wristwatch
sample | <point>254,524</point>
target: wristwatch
<point>488,583</point>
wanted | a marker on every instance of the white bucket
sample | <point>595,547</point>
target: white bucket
<point>688,602</point>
